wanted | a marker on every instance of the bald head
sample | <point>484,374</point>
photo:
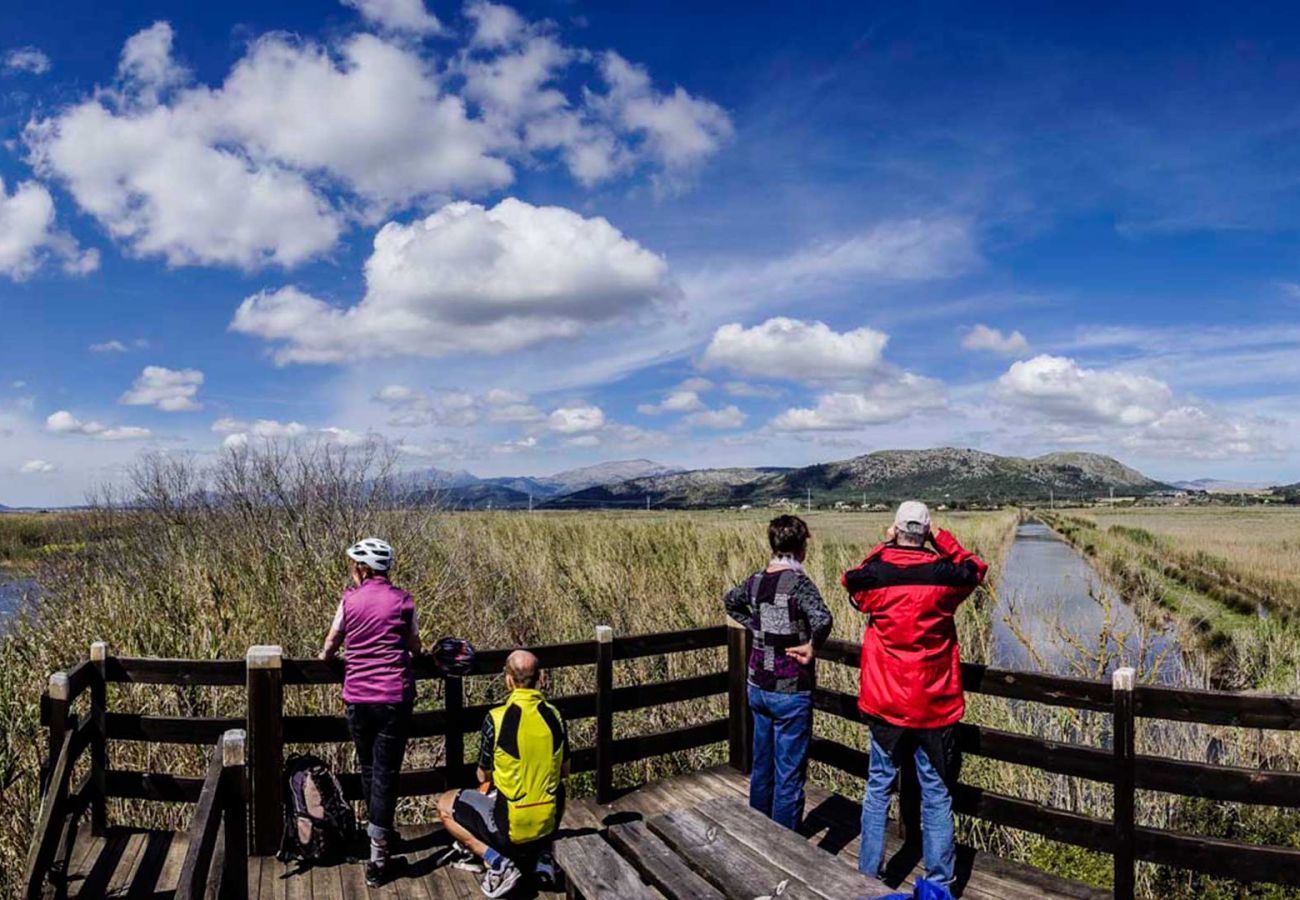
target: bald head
<point>523,669</point>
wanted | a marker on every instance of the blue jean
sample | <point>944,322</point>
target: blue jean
<point>782,729</point>
<point>938,843</point>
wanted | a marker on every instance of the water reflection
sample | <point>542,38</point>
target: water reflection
<point>1057,605</point>
<point>13,591</point>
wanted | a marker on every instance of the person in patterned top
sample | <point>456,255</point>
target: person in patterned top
<point>789,622</point>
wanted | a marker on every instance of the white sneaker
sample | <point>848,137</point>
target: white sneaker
<point>499,882</point>
<point>460,857</point>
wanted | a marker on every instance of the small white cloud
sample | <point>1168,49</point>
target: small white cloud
<point>991,340</point>
<point>747,389</point>
<point>502,397</point>
<point>495,25</point>
<point>64,422</point>
<point>796,350</point>
<point>29,235</point>
<point>397,15</point>
<point>116,346</point>
<point>576,419</point>
<point>727,417</point>
<point>27,59</point>
<point>37,467</point>
<point>262,428</point>
<point>679,401</point>
<point>584,440</point>
<point>887,401</point>
<point>170,390</point>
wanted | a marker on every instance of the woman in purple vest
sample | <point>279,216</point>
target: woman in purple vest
<point>377,624</point>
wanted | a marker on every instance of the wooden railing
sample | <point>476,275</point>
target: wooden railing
<point>216,857</point>
<point>1118,766</point>
<point>265,674</point>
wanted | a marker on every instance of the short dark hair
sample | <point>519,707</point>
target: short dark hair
<point>788,534</point>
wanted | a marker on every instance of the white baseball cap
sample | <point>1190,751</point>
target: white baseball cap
<point>913,517</point>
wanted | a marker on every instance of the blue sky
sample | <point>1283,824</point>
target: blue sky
<point>520,239</point>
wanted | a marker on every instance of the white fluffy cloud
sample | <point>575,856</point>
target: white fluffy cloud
<point>470,279</point>
<point>398,15</point>
<point>301,138</point>
<point>1062,389</point>
<point>27,59</point>
<point>991,340</point>
<point>886,401</point>
<point>171,390</point>
<point>724,418</point>
<point>790,349</point>
<point>37,467</point>
<point>678,401</point>
<point>29,235</point>
<point>576,419</point>
<point>64,422</point>
<point>1137,411</point>
<point>239,434</point>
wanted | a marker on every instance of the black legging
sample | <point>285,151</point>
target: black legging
<point>379,733</point>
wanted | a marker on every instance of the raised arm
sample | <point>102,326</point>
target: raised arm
<point>958,566</point>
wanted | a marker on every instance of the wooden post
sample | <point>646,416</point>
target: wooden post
<point>604,713</point>
<point>1124,722</point>
<point>740,724</point>
<point>265,748</point>
<point>234,817</point>
<point>454,742</point>
<point>56,722</point>
<point>99,746</point>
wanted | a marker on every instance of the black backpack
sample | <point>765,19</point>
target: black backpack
<point>319,826</point>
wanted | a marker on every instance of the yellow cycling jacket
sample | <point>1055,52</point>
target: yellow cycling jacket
<point>527,762</point>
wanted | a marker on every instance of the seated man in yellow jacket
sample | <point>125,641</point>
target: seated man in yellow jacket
<point>522,763</point>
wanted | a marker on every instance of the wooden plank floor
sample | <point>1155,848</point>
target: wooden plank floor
<point>145,864</point>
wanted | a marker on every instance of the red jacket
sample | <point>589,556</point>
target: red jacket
<point>911,669</point>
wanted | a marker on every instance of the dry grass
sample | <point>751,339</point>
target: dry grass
<point>184,575</point>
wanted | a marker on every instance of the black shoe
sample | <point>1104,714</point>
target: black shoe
<point>376,874</point>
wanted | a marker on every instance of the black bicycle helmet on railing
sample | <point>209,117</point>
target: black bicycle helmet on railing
<point>454,657</point>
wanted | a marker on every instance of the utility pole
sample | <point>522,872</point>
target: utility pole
<point>647,503</point>
<point>809,507</point>
<point>530,501</point>
<point>1051,497</point>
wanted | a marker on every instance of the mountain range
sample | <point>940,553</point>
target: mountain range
<point>940,475</point>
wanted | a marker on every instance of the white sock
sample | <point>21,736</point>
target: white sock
<point>378,851</point>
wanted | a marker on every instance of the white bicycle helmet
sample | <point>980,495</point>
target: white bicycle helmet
<point>373,552</point>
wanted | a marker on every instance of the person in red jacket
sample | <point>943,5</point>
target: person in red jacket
<point>911,677</point>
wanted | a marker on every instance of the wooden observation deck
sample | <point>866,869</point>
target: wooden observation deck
<point>685,836</point>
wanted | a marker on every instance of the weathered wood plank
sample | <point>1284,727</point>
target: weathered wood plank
<point>1244,710</point>
<point>658,864</point>
<point>733,867</point>
<point>636,645</point>
<point>788,850</point>
<point>596,870</point>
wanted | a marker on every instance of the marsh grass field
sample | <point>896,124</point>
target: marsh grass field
<point>177,573</point>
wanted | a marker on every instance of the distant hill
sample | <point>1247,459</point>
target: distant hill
<point>460,489</point>
<point>1289,492</point>
<point>941,475</point>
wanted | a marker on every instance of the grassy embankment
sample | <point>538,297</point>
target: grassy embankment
<point>1229,580</point>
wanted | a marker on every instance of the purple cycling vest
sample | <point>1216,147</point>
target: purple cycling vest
<point>377,620</point>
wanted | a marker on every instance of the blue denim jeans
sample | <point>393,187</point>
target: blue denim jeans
<point>938,844</point>
<point>782,729</point>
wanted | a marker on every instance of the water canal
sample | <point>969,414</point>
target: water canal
<point>1052,603</point>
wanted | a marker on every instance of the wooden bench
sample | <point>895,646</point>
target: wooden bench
<point>593,869</point>
<point>717,849</point>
